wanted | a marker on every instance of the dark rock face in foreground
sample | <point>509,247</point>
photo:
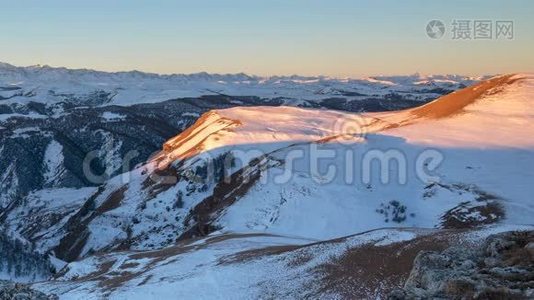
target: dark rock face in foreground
<point>501,268</point>
<point>10,291</point>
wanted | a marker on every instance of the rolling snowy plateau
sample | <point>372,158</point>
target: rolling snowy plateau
<point>293,199</point>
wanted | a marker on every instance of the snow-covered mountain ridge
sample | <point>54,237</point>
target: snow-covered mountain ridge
<point>289,125</point>
<point>51,118</point>
<point>235,201</point>
<point>170,198</point>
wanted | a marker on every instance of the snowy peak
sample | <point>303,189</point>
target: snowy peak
<point>196,138</point>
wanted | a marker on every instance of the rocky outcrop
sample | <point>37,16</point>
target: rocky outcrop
<point>501,268</point>
<point>18,291</point>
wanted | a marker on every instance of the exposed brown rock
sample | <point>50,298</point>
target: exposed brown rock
<point>501,268</point>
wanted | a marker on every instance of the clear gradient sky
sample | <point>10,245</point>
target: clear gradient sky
<point>309,37</point>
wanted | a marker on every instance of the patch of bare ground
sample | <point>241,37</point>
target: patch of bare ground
<point>296,257</point>
<point>371,271</point>
<point>188,245</point>
<point>102,269</point>
<point>253,254</point>
<point>117,279</point>
<point>232,236</point>
<point>129,265</point>
<point>112,201</point>
<point>471,215</point>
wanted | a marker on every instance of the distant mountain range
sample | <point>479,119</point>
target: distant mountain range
<point>88,87</point>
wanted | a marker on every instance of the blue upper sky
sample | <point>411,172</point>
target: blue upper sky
<point>338,38</point>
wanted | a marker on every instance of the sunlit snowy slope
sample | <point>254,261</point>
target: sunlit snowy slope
<point>248,198</point>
